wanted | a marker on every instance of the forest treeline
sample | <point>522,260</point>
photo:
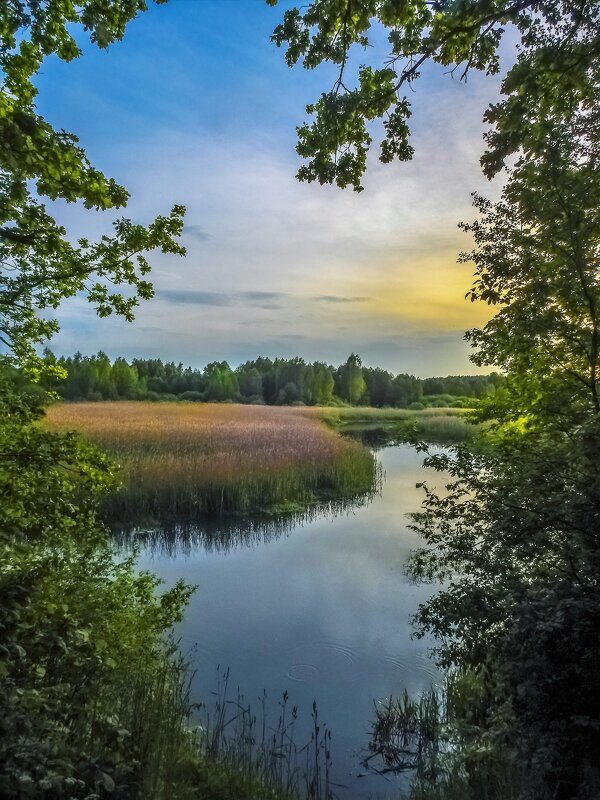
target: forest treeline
<point>276,381</point>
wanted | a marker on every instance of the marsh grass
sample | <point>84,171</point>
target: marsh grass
<point>223,751</point>
<point>234,734</point>
<point>439,740</point>
<point>346,414</point>
<point>408,734</point>
<point>184,460</point>
<point>442,428</point>
<point>436,425</point>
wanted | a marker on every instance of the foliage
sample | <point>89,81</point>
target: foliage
<point>515,534</point>
<point>555,70</point>
<point>537,256</point>
<point>463,385</point>
<point>274,382</point>
<point>351,380</point>
<point>77,625</point>
<point>41,263</point>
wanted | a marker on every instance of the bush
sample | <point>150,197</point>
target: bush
<point>78,628</point>
<point>196,397</point>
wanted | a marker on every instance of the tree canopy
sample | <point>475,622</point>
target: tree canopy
<point>276,381</point>
<point>536,257</point>
<point>555,70</point>
<point>41,263</point>
<point>79,627</point>
<point>514,533</point>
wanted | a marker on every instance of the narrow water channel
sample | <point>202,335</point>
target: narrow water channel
<point>321,609</point>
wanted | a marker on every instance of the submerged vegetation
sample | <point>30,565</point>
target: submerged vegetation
<point>441,740</point>
<point>182,460</point>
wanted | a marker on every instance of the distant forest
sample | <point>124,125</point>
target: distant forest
<point>276,381</point>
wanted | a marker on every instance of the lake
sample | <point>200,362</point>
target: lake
<point>320,608</point>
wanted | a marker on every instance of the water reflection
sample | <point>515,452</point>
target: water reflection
<point>318,606</point>
<point>377,437</point>
<point>222,534</point>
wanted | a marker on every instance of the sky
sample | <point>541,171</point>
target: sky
<point>197,106</point>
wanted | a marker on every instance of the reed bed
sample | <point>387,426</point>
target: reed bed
<point>265,754</point>
<point>444,428</point>
<point>184,460</point>
<point>347,414</point>
<point>223,750</point>
<point>439,425</point>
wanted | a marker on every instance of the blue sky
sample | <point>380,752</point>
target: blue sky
<point>196,106</point>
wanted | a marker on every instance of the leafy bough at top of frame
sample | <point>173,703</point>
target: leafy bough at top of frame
<point>555,71</point>
<point>41,263</point>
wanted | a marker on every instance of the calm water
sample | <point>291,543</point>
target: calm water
<point>321,609</point>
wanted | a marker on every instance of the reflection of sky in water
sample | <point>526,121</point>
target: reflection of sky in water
<point>322,612</point>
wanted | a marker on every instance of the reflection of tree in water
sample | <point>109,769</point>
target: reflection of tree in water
<point>377,438</point>
<point>225,533</point>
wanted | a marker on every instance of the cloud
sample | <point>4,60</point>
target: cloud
<point>200,298</point>
<point>303,269</point>
<point>334,298</point>
<point>292,336</point>
<point>261,295</point>
<point>196,232</point>
<point>262,299</point>
<point>193,297</point>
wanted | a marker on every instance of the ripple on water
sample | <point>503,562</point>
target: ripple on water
<point>339,649</point>
<point>302,673</point>
<point>396,660</point>
<point>323,652</point>
<point>426,664</point>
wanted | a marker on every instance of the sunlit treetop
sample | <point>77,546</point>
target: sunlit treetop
<point>555,70</point>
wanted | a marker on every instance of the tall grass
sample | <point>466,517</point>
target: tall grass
<point>442,740</point>
<point>184,460</point>
<point>232,733</point>
<point>441,428</point>
<point>439,425</point>
<point>223,751</point>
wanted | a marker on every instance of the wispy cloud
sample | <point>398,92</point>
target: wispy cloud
<point>200,298</point>
<point>335,298</point>
<point>251,298</point>
<point>262,299</point>
<point>193,297</point>
<point>197,232</point>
